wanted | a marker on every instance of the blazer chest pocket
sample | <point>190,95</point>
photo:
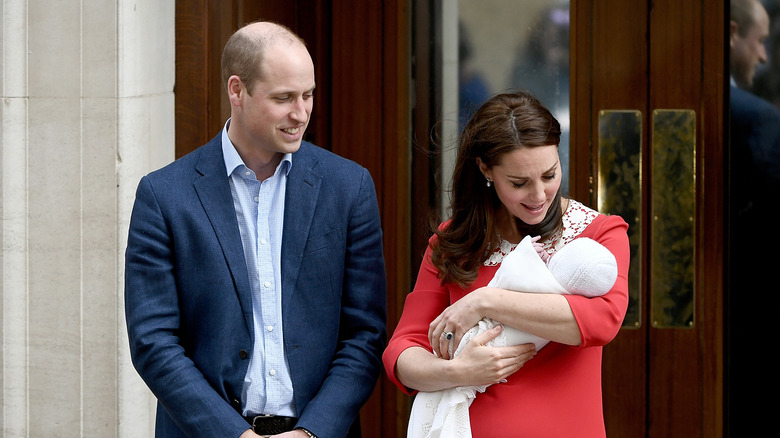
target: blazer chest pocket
<point>322,241</point>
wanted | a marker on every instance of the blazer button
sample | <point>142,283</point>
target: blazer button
<point>243,354</point>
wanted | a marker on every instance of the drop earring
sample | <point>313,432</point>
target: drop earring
<point>489,183</point>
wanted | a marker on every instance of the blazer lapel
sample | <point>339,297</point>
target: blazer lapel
<point>303,188</point>
<point>213,189</point>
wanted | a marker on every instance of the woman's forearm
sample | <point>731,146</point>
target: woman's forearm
<point>476,365</point>
<point>545,315</point>
<point>419,369</point>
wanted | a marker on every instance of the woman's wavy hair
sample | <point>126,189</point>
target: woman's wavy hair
<point>505,123</point>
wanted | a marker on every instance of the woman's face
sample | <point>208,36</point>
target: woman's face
<point>526,181</point>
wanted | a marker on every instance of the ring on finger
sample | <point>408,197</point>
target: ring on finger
<point>448,335</point>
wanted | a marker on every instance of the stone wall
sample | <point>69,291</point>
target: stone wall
<point>87,109</point>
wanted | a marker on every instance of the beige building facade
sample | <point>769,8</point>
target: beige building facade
<point>87,109</point>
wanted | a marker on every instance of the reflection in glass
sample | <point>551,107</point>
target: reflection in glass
<point>511,44</point>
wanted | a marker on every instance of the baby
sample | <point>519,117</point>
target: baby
<point>581,267</point>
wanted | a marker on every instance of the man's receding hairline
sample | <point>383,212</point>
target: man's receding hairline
<point>270,33</point>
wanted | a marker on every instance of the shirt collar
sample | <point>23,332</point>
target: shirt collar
<point>233,160</point>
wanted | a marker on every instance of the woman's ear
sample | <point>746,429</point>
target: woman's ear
<point>483,168</point>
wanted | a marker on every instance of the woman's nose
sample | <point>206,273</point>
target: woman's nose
<point>537,193</point>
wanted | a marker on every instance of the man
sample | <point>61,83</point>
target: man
<point>755,123</point>
<point>748,30</point>
<point>255,285</point>
<point>755,170</point>
<point>754,117</point>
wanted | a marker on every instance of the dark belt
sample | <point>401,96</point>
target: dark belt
<point>271,424</point>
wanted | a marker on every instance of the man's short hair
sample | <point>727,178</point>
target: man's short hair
<point>743,12</point>
<point>243,52</point>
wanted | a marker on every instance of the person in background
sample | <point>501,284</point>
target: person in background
<point>766,81</point>
<point>541,66</point>
<point>755,123</point>
<point>754,181</point>
<point>472,87</point>
<point>507,185</point>
<point>255,283</point>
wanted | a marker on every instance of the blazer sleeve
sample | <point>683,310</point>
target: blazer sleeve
<point>153,317</point>
<point>362,334</point>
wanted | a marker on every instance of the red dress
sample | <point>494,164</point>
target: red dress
<point>558,392</point>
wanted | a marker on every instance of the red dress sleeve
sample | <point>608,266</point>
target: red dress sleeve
<point>426,301</point>
<point>600,318</point>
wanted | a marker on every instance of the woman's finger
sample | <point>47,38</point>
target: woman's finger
<point>433,329</point>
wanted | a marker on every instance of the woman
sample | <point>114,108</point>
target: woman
<point>506,185</point>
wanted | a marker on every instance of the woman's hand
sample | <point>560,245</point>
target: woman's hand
<point>456,319</point>
<point>479,364</point>
<point>476,365</point>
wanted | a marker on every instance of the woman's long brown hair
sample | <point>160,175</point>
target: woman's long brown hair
<point>506,122</point>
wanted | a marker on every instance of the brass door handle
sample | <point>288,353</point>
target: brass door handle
<point>672,207</point>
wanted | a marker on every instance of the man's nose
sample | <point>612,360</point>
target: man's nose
<point>298,110</point>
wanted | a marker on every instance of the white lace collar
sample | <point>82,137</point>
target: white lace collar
<point>575,219</point>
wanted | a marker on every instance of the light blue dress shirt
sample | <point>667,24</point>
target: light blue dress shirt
<point>259,207</point>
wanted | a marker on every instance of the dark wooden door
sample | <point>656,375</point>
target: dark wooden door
<point>661,63</point>
<point>361,52</point>
<point>636,56</point>
<point>651,58</point>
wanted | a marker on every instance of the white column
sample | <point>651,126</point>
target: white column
<point>87,108</point>
<point>146,142</point>
<point>14,287</point>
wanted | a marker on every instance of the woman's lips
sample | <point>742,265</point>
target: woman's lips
<point>535,209</point>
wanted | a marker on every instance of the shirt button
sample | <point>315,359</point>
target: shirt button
<point>263,241</point>
<point>243,354</point>
<point>267,284</point>
<point>257,199</point>
<point>247,173</point>
<point>272,372</point>
<point>270,328</point>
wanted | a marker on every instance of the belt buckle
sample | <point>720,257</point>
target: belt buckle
<point>267,424</point>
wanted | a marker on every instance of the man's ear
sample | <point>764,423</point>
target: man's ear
<point>733,32</point>
<point>235,90</point>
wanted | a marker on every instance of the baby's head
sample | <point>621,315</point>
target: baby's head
<point>584,267</point>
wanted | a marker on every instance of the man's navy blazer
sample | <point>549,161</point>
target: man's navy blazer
<point>188,301</point>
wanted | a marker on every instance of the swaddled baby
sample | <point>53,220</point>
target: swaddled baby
<point>581,267</point>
